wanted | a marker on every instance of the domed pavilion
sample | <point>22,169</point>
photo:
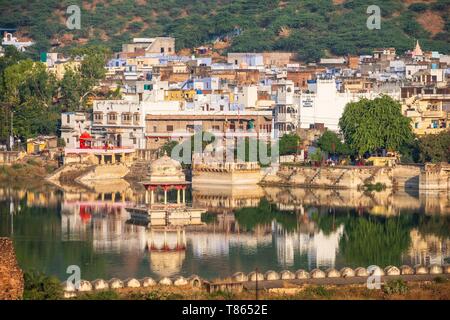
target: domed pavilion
<point>166,174</point>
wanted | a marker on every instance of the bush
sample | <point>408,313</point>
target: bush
<point>101,295</point>
<point>155,295</point>
<point>225,295</point>
<point>39,286</point>
<point>397,286</point>
<point>319,291</point>
<point>440,279</point>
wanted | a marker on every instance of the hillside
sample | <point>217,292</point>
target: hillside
<point>313,28</point>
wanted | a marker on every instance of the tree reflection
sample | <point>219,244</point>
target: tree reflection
<point>265,213</point>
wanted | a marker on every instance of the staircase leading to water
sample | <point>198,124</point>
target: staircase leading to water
<point>139,170</point>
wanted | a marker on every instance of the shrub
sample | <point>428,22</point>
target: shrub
<point>155,295</point>
<point>397,286</point>
<point>225,295</point>
<point>440,279</point>
<point>39,286</point>
<point>100,295</point>
<point>319,291</point>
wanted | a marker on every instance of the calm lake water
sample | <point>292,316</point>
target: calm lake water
<point>270,228</point>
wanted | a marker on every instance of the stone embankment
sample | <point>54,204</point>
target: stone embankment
<point>345,177</point>
<point>11,276</point>
<point>270,279</point>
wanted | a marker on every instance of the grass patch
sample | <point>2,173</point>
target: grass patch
<point>397,286</point>
<point>222,295</point>
<point>318,292</point>
<point>154,295</point>
<point>100,295</point>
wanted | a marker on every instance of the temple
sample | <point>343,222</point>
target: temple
<point>166,176</point>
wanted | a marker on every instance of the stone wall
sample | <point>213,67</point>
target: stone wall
<point>435,177</point>
<point>11,277</point>
<point>345,177</point>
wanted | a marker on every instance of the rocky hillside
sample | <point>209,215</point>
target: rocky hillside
<point>312,28</point>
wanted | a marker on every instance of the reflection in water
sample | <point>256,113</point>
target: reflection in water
<point>268,228</point>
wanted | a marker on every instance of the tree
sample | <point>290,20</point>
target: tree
<point>435,147</point>
<point>332,144</point>
<point>289,144</point>
<point>375,125</point>
<point>70,90</point>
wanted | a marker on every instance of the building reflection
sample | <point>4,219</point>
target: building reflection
<point>97,215</point>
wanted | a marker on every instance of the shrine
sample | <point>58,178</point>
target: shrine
<point>166,175</point>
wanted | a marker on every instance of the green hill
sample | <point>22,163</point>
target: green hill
<point>313,28</point>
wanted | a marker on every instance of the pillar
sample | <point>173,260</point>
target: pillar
<point>165,195</point>
<point>146,196</point>
<point>178,196</point>
<point>184,195</point>
<point>113,158</point>
<point>102,158</point>
<point>122,159</point>
<point>152,197</point>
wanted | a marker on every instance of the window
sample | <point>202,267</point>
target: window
<point>216,128</point>
<point>169,128</point>
<point>68,118</point>
<point>137,117</point>
<point>98,117</point>
<point>170,49</point>
<point>162,50</point>
<point>155,129</point>
<point>126,117</point>
<point>112,117</point>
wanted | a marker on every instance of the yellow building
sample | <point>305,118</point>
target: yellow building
<point>60,68</point>
<point>179,95</point>
<point>41,143</point>
<point>428,113</point>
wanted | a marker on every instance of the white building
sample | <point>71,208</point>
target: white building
<point>122,122</point>
<point>73,124</point>
<point>285,112</point>
<point>9,40</point>
<point>324,105</point>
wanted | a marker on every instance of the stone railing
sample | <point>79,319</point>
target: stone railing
<point>236,281</point>
<point>70,290</point>
<point>345,272</point>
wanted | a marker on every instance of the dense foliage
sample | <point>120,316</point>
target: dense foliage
<point>332,144</point>
<point>435,148</point>
<point>375,125</point>
<point>288,144</point>
<point>38,286</point>
<point>31,99</point>
<point>312,28</point>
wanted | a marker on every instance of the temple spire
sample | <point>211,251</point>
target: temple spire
<point>417,50</point>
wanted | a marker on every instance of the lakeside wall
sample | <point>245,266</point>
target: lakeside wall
<point>427,178</point>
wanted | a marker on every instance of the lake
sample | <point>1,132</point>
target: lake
<point>243,229</point>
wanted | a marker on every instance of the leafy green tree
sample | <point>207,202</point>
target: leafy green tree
<point>374,125</point>
<point>70,90</point>
<point>434,147</point>
<point>289,144</point>
<point>332,144</point>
